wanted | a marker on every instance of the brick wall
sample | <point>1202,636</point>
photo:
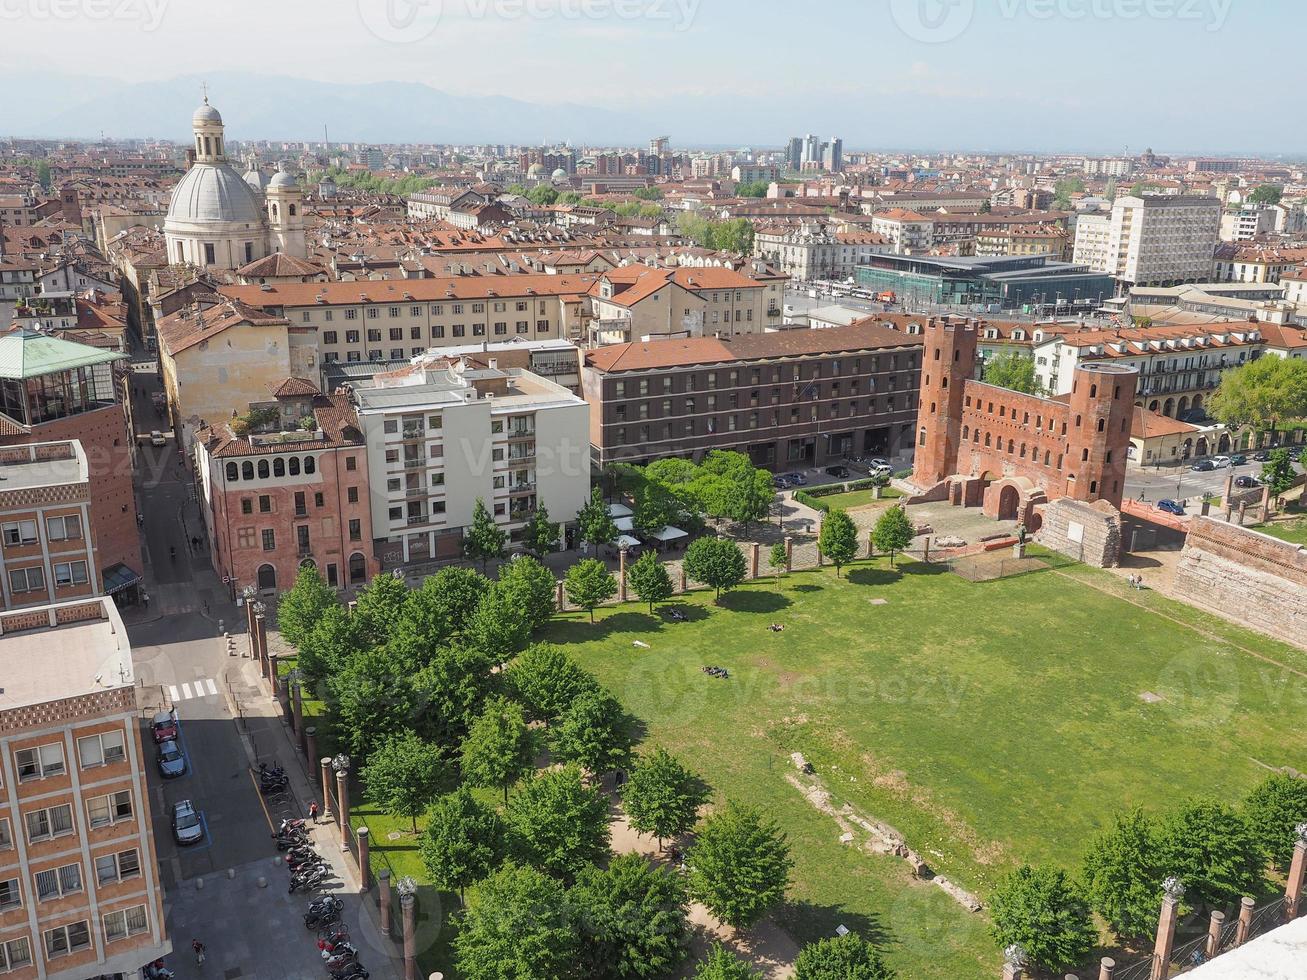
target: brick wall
<point>1088,532</point>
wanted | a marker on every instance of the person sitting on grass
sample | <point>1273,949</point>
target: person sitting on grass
<point>776,627</point>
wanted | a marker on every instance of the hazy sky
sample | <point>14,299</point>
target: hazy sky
<point>1175,73</point>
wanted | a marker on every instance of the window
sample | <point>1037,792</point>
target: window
<point>10,897</point>
<point>329,336</point>
<point>65,939</point>
<point>317,499</point>
<point>40,762</point>
<point>278,467</point>
<point>6,836</point>
<point>247,470</point>
<point>372,313</point>
<point>106,810</point>
<point>52,822</point>
<point>14,954</point>
<point>269,539</point>
<point>265,504</point>
<point>264,471</point>
<point>20,532</point>
<point>233,472</point>
<point>294,466</point>
<point>26,579</point>
<point>352,495</point>
<point>67,573</point>
<point>355,529</point>
<point>63,528</point>
<point>125,922</point>
<point>208,253</point>
<point>351,463</point>
<point>58,882</point>
<point>310,466</point>
<point>101,750</point>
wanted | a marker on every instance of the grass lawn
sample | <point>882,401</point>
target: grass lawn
<point>991,723</point>
<point>859,498</point>
<point>1295,531</point>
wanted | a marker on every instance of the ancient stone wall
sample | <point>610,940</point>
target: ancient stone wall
<point>1246,576</point>
<point>1087,532</point>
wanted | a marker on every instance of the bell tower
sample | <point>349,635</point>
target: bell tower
<point>948,361</point>
<point>285,204</point>
<point>206,124</point>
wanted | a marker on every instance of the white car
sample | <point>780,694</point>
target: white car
<point>1220,461</point>
<point>157,439</point>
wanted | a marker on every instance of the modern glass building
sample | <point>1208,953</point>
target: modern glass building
<point>1008,282</point>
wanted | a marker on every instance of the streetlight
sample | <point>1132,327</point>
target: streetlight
<point>340,763</point>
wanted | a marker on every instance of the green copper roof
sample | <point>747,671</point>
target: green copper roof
<point>29,354</point>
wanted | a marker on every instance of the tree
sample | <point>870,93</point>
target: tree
<point>558,824</point>
<point>43,174</point>
<point>499,749</point>
<point>500,627</point>
<point>1275,807</point>
<point>662,797</point>
<point>1214,852</point>
<point>753,188</point>
<point>648,193</point>
<point>1123,880</point>
<point>593,522</point>
<point>1141,187</point>
<point>838,539</point>
<point>464,841</point>
<point>634,915</point>
<point>716,562</point>
<point>546,681</point>
<point>1043,911</point>
<point>893,532</point>
<point>329,645</point>
<point>379,607</point>
<point>776,559</point>
<point>452,594</point>
<point>450,690</point>
<point>371,697</point>
<point>594,732</point>
<point>484,539</point>
<point>1277,471</point>
<point>649,580</point>
<point>404,774</point>
<point>986,206</point>
<point>1063,190</point>
<point>533,587</point>
<point>1013,371</point>
<point>740,865</point>
<point>301,608</point>
<point>588,583</point>
<point>540,536</point>
<point>1260,393</point>
<point>730,486</point>
<point>517,928</point>
<point>542,194</point>
<point>1266,194</point>
<point>847,957</point>
<point>722,964</point>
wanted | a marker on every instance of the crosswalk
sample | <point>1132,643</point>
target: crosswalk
<point>202,688</point>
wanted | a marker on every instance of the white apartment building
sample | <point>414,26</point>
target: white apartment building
<point>812,251</point>
<point>1245,224</point>
<point>1153,240</point>
<point>440,435</point>
<point>906,231</point>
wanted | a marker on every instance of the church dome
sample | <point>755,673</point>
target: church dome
<point>254,177</point>
<point>535,170</point>
<point>560,174</point>
<point>282,180</point>
<point>214,193</point>
<point>206,114</point>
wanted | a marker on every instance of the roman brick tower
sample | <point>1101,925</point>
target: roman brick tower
<point>1098,431</point>
<point>949,361</point>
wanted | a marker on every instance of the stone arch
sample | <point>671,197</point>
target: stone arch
<point>1223,443</point>
<point>1152,406</point>
<point>1168,408</point>
<point>1197,403</point>
<point>1182,405</point>
<point>358,569</point>
<point>1202,447</point>
<point>1188,449</point>
<point>1009,503</point>
<point>267,578</point>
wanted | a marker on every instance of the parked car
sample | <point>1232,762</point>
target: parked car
<point>1246,482</point>
<point>1203,466</point>
<point>157,439</point>
<point>797,479</point>
<point>880,469</point>
<point>1261,457</point>
<point>1220,461</point>
<point>780,482</point>
<point>1238,459</point>
<point>1171,507</point>
<point>186,825</point>
<point>164,726</point>
<point>171,761</point>
<point>878,461</point>
<point>839,472</point>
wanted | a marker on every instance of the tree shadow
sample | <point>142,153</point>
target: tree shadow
<point>805,918</point>
<point>868,575</point>
<point>807,587</point>
<point>692,611</point>
<point>581,630</point>
<point>911,567</point>
<point>754,601</point>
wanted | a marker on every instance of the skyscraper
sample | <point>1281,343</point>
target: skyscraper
<point>811,150</point>
<point>794,153</point>
<point>832,158</point>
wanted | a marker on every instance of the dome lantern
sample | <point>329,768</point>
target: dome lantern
<point>206,123</point>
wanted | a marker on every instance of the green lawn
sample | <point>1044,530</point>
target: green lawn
<point>859,498</point>
<point>1295,531</point>
<point>991,723</point>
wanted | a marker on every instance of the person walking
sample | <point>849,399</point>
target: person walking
<point>313,811</point>
<point>198,947</point>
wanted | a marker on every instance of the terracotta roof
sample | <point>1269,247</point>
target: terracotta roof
<point>279,265</point>
<point>294,388</point>
<point>188,326</point>
<point>407,290</point>
<point>1283,337</point>
<point>1146,424</point>
<point>335,417</point>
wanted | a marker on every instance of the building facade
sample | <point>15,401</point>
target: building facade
<point>1154,240</point>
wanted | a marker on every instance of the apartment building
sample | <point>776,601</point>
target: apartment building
<point>47,552</point>
<point>1023,240</point>
<point>79,886</point>
<point>813,251</point>
<point>1247,223</point>
<point>789,399</point>
<point>1154,240</point>
<point>440,436</point>
<point>906,231</point>
<point>638,301</point>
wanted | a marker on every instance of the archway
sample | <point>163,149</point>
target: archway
<point>1168,409</point>
<point>358,568</point>
<point>1246,439</point>
<point>1188,449</point>
<point>1182,406</point>
<point>1223,443</point>
<point>308,563</point>
<point>1197,403</point>
<point>1009,503</point>
<point>1202,448</point>
<point>267,578</point>
<point>1152,406</point>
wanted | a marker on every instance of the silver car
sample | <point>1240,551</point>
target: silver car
<point>186,825</point>
<point>171,761</point>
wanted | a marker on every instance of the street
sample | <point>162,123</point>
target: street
<point>1181,483</point>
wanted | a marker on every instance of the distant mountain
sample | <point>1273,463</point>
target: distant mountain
<point>272,107</point>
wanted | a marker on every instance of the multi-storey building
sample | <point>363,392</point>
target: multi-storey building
<point>791,398</point>
<point>638,301</point>
<point>1247,223</point>
<point>79,883</point>
<point>906,231</point>
<point>812,251</point>
<point>1158,240</point>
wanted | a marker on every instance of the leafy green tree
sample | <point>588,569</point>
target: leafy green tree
<point>1044,912</point>
<point>722,964</point>
<point>1274,808</point>
<point>1277,471</point>
<point>755,188</point>
<point>464,841</point>
<point>533,587</point>
<point>893,532</point>
<point>329,645</point>
<point>557,823</point>
<point>662,797</point>
<point>43,174</point>
<point>403,775</point>
<point>379,607</point>
<point>847,957</point>
<point>499,748</point>
<point>635,925</point>
<point>649,580</point>
<point>542,194</point>
<point>656,506</point>
<point>1013,371</point>
<point>1266,194</point>
<point>1063,190</point>
<point>776,559</point>
<point>588,583</point>
<point>546,681</point>
<point>1214,852</point>
<point>838,539</point>
<point>518,928</point>
<point>1141,187</point>
<point>301,607</point>
<point>648,193</point>
<point>518,189</point>
<point>485,539</point>
<point>1123,880</point>
<point>450,690</point>
<point>371,697</point>
<point>593,522</point>
<point>594,732</point>
<point>500,627</point>
<point>716,562</point>
<point>1261,393</point>
<point>540,536</point>
<point>739,865</point>
<point>452,596</point>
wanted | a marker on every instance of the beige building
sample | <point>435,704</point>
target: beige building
<point>1157,239</point>
<point>636,302</point>
<point>79,886</point>
<point>906,231</point>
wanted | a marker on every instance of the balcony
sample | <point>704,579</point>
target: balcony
<point>413,432</point>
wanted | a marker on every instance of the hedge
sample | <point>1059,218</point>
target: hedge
<point>803,497</point>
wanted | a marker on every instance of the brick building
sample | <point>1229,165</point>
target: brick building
<point>79,882</point>
<point>978,444</point>
<point>789,399</point>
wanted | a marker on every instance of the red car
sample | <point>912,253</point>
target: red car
<point>164,726</point>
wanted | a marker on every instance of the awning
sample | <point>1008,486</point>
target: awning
<point>669,533</point>
<point>619,510</point>
<point>118,577</point>
<point>624,523</point>
<point>626,541</point>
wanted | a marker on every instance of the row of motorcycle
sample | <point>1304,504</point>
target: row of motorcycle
<point>308,870</point>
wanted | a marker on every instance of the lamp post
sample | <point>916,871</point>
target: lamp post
<point>1014,962</point>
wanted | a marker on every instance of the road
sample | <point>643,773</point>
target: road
<point>1180,482</point>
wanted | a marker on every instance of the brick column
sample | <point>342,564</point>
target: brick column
<point>1214,925</point>
<point>685,585</point>
<point>1266,502</point>
<point>1297,869</point>
<point>327,808</point>
<point>789,553</point>
<point>561,605</point>
<point>250,635</point>
<point>1229,489</point>
<point>261,631</point>
<point>407,906</point>
<point>297,711</point>
<point>365,867</point>
<point>272,674</point>
<point>1106,968</point>
<point>342,805</point>
<point>1246,905</point>
<point>1166,929</point>
<point>311,742</point>
<point>753,559</point>
<point>621,574</point>
<point>383,900</point>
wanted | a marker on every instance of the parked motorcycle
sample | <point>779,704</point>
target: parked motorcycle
<point>308,879</point>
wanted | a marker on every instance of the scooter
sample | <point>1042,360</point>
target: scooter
<point>157,971</point>
<point>308,879</point>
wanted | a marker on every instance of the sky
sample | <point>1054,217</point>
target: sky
<point>1101,75</point>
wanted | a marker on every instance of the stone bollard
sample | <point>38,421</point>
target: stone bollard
<point>753,559</point>
<point>685,585</point>
<point>1297,870</point>
<point>1214,925</point>
<point>383,900</point>
<point>1161,967</point>
<point>311,741</point>
<point>365,865</point>
<point>342,805</point>
<point>407,906</point>
<point>561,603</point>
<point>1246,905</point>
<point>1106,968</point>
<point>789,554</point>
<point>326,786</point>
<point>272,673</point>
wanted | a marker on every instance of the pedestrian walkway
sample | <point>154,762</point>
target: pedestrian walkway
<point>202,688</point>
